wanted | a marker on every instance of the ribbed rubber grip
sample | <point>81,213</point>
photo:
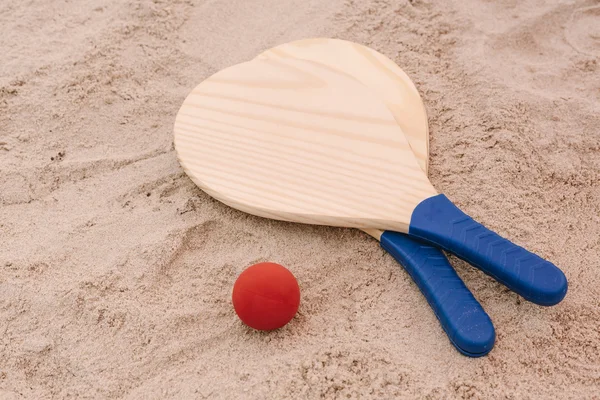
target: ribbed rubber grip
<point>467,325</point>
<point>438,221</point>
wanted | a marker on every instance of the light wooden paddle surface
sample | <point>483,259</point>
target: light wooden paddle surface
<point>376,71</point>
<point>297,141</point>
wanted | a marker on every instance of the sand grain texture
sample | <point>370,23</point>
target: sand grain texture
<point>116,271</point>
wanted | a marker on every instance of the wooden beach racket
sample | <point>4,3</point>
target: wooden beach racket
<point>463,319</point>
<point>298,141</point>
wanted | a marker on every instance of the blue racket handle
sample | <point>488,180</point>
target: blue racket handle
<point>467,325</point>
<point>438,221</point>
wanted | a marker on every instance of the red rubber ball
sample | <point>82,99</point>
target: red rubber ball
<point>266,296</point>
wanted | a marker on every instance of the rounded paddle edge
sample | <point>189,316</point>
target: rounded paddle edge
<point>341,159</point>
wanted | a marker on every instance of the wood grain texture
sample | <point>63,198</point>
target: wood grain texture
<point>380,74</point>
<point>376,71</point>
<point>295,140</point>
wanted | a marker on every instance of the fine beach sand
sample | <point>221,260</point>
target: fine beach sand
<point>116,271</point>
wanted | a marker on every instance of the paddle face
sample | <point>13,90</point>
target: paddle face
<point>295,140</point>
<point>377,72</point>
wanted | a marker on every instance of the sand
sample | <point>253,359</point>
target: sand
<point>116,271</point>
